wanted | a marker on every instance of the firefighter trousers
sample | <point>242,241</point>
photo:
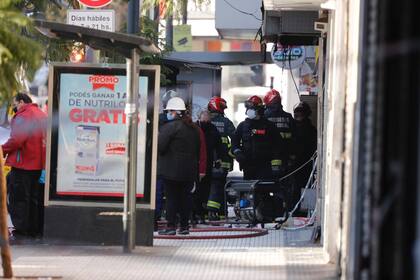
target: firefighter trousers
<point>216,199</point>
<point>201,196</point>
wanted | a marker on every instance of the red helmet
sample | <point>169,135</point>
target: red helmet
<point>254,102</point>
<point>217,104</point>
<point>272,97</point>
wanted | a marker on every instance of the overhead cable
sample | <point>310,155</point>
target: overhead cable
<point>243,12</point>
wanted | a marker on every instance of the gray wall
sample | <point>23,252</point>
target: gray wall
<point>205,84</point>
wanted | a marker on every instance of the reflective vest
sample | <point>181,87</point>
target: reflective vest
<point>285,125</point>
<point>226,130</point>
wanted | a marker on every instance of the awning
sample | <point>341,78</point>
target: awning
<point>221,58</point>
<point>97,39</point>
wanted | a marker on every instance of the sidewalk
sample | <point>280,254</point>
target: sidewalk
<point>278,255</point>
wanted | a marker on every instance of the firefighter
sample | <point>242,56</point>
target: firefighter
<point>216,107</point>
<point>286,126</point>
<point>254,142</point>
<point>304,146</point>
<point>305,142</point>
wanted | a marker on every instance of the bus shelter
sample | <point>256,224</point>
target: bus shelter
<point>102,143</point>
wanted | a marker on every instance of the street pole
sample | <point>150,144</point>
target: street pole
<point>131,110</point>
<point>184,5</point>
<point>133,17</point>
<point>6,258</point>
<point>156,19</point>
<point>169,31</point>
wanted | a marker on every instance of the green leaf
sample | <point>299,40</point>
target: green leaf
<point>4,53</point>
<point>19,54</point>
<point>13,17</point>
<point>5,4</point>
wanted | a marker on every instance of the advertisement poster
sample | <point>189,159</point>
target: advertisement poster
<point>288,57</point>
<point>182,38</point>
<point>92,134</point>
<point>308,71</point>
<point>303,60</point>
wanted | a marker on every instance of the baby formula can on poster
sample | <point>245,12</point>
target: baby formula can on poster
<point>87,149</point>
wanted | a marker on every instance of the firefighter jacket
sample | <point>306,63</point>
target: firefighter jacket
<point>226,130</point>
<point>256,140</point>
<point>286,126</point>
<point>305,141</point>
<point>305,145</point>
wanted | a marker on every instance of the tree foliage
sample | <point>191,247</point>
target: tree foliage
<point>171,7</point>
<point>20,45</point>
<point>55,49</point>
<point>19,55</point>
<point>148,29</point>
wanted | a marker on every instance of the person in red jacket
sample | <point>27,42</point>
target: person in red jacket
<point>214,150</point>
<point>25,154</point>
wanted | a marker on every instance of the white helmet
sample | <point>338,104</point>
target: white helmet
<point>176,104</point>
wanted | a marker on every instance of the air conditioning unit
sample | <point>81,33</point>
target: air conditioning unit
<point>291,27</point>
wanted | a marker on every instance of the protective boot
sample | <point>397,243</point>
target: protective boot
<point>214,216</point>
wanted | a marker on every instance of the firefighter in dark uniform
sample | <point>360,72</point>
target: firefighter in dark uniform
<point>286,126</point>
<point>304,146</point>
<point>254,142</point>
<point>216,107</point>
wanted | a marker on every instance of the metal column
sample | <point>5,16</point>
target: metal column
<point>133,17</point>
<point>131,110</point>
<point>320,138</point>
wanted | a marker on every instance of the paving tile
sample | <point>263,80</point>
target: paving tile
<point>276,256</point>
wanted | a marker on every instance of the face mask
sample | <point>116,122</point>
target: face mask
<point>170,116</point>
<point>251,113</point>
